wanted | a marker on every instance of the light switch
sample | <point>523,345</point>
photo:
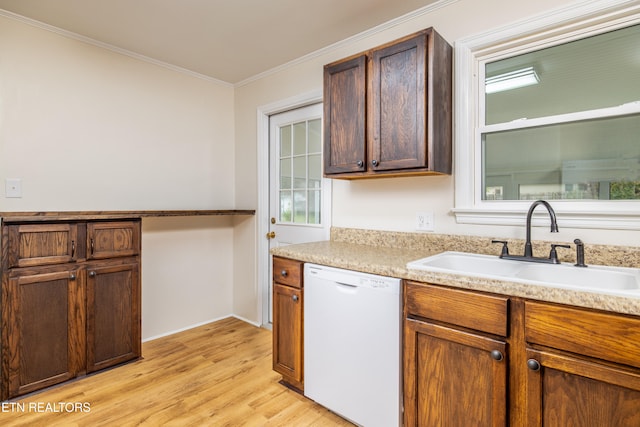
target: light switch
<point>13,187</point>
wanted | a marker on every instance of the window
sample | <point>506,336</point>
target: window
<point>554,115</point>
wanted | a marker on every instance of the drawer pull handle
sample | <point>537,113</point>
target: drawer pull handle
<point>284,273</point>
<point>73,248</point>
<point>533,364</point>
<point>295,298</point>
<point>497,355</point>
<point>92,246</point>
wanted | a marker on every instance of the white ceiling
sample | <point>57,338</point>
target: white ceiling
<point>227,40</point>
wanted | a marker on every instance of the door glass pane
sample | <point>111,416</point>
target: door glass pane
<point>301,172</point>
<point>285,141</point>
<point>300,138</point>
<point>593,159</point>
<point>314,207</point>
<point>285,173</point>
<point>315,136</point>
<point>591,73</point>
<point>285,206</point>
<point>315,170</point>
<point>300,206</point>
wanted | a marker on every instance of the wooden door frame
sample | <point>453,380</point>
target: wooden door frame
<point>262,213</point>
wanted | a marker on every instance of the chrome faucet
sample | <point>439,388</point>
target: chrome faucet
<point>528,250</point>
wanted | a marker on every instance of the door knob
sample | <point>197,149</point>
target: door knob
<point>271,235</point>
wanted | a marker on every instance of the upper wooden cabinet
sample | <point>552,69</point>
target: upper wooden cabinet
<point>388,111</point>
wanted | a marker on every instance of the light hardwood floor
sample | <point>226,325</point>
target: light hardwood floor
<point>214,375</point>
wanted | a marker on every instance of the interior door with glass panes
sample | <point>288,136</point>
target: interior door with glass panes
<point>299,196</point>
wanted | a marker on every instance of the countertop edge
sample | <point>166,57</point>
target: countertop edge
<point>391,262</point>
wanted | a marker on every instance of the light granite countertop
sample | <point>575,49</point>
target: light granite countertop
<point>391,261</point>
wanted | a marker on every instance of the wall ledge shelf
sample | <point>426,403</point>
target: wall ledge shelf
<point>99,215</point>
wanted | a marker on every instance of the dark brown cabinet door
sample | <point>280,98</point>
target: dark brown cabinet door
<point>568,391</point>
<point>287,334</point>
<point>41,244</point>
<point>43,326</point>
<point>452,377</point>
<point>344,116</point>
<point>113,314</point>
<point>113,239</point>
<point>397,125</point>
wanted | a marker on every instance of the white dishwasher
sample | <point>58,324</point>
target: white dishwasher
<point>352,349</point>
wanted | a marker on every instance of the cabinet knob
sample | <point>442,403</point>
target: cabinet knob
<point>92,274</point>
<point>374,162</point>
<point>295,298</point>
<point>72,276</point>
<point>533,364</point>
<point>497,355</point>
<point>360,163</point>
<point>284,273</point>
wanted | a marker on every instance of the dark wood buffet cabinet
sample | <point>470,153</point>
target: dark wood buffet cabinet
<point>70,300</point>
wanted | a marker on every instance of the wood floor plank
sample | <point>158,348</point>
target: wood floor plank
<point>218,374</point>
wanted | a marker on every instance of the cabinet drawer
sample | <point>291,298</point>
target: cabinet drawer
<point>585,332</point>
<point>287,272</point>
<point>113,239</point>
<point>485,313</point>
<point>41,244</point>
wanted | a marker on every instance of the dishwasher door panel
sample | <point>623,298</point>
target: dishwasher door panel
<point>352,345</point>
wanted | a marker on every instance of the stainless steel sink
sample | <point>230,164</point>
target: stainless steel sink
<point>604,279</point>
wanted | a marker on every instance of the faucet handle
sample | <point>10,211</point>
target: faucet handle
<point>505,248</point>
<point>553,255</point>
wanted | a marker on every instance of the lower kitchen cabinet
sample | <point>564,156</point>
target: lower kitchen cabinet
<point>113,316</point>
<point>583,367</point>
<point>453,375</point>
<point>472,358</point>
<point>288,339</point>
<point>62,315</point>
<point>43,329</point>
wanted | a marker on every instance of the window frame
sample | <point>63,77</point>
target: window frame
<point>557,26</point>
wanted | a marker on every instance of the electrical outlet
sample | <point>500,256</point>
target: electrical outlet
<point>424,221</point>
<point>13,187</point>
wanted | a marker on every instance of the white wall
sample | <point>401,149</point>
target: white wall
<point>89,129</point>
<point>391,203</point>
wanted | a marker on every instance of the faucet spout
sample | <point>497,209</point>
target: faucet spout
<point>528,251</point>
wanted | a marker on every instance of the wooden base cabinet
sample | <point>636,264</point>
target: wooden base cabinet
<point>40,336</point>
<point>64,315</point>
<point>453,375</point>
<point>288,339</point>
<point>472,358</point>
<point>583,367</point>
<point>113,314</point>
